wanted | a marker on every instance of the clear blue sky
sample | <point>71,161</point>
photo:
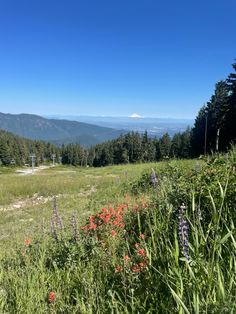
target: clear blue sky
<point>114,57</point>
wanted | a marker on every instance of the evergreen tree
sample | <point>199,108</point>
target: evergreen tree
<point>176,146</point>
<point>165,146</point>
<point>229,128</point>
<point>5,155</point>
<point>198,133</point>
<point>217,110</point>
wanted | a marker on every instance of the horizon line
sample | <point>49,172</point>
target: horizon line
<point>140,117</point>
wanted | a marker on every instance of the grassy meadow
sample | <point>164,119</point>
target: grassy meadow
<point>106,240</point>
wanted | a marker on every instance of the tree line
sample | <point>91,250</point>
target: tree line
<point>214,130</point>
<point>128,148</point>
<point>134,147</point>
<point>215,125</point>
<point>15,150</point>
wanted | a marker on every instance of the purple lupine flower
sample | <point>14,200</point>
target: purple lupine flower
<point>183,232</point>
<point>74,227</point>
<point>153,178</point>
<point>56,221</point>
<point>53,229</point>
<point>56,216</point>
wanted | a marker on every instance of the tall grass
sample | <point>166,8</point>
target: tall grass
<point>127,258</point>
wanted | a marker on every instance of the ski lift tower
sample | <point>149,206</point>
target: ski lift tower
<point>53,159</point>
<point>32,156</point>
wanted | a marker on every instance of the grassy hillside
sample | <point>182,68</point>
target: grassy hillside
<point>112,242</point>
<point>56,131</point>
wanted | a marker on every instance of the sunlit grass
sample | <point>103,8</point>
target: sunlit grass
<point>92,274</point>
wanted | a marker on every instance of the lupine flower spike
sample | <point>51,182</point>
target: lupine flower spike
<point>153,178</point>
<point>183,232</point>
<point>56,221</point>
<point>75,228</point>
<point>53,229</point>
<point>56,215</point>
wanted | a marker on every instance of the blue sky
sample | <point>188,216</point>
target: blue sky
<point>114,57</point>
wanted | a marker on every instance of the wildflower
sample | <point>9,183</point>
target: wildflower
<point>113,233</point>
<point>112,210</point>
<point>126,258</point>
<point>91,218</point>
<point>107,218</point>
<point>135,268</point>
<point>51,296</point>
<point>183,233</point>
<point>142,236</point>
<point>137,245</point>
<point>53,229</point>
<point>115,223</point>
<point>142,265</point>
<point>93,226</point>
<point>120,208</point>
<point>141,252</point>
<point>56,217</point>
<point>27,242</point>
<point>104,210</point>
<point>121,225</point>
<point>56,221</point>
<point>153,178</point>
<point>118,269</point>
<point>118,216</point>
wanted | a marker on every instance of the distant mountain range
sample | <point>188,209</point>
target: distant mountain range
<point>154,126</point>
<point>57,131</point>
<point>86,130</point>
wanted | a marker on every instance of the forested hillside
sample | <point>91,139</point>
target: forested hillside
<point>134,147</point>
<point>15,150</point>
<point>56,131</point>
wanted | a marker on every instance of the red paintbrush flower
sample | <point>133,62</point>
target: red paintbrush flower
<point>118,269</point>
<point>27,242</point>
<point>142,264</point>
<point>51,296</point>
<point>142,236</point>
<point>113,233</point>
<point>126,258</point>
<point>141,252</point>
<point>135,268</point>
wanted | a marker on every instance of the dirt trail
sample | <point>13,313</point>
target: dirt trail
<point>38,199</point>
<point>35,200</point>
<point>28,171</point>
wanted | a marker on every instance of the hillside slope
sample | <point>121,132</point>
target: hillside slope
<point>124,242</point>
<point>56,131</point>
